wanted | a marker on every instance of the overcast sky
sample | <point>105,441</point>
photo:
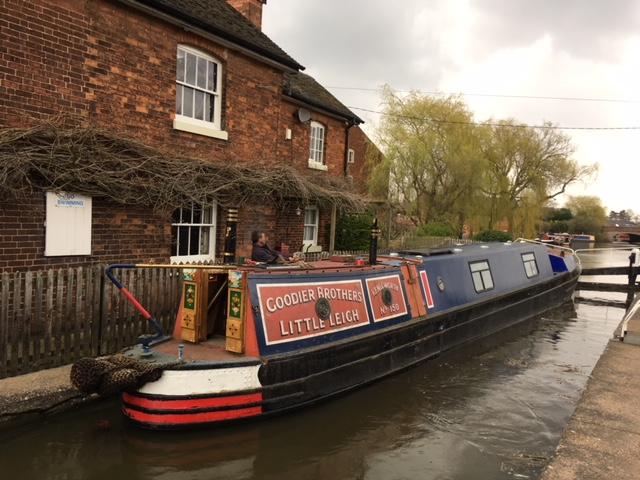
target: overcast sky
<point>568,48</point>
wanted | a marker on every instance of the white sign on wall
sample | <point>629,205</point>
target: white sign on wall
<point>68,224</point>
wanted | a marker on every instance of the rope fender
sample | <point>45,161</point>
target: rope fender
<point>110,375</point>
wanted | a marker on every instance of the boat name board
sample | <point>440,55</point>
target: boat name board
<point>386,297</point>
<point>296,311</point>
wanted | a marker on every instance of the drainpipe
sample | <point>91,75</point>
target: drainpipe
<point>332,231</point>
<point>350,124</point>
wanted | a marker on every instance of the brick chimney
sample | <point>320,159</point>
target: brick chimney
<point>251,9</point>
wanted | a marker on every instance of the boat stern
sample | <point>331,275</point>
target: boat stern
<point>198,395</point>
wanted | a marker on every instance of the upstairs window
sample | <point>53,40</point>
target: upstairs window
<point>310,236</point>
<point>352,156</point>
<point>530,265</point>
<point>316,146</point>
<point>481,275</point>
<point>198,89</point>
<point>193,233</point>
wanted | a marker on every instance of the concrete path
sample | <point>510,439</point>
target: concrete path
<point>40,393</point>
<point>602,439</point>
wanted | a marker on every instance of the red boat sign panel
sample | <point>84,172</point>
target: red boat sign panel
<point>386,297</point>
<point>426,289</point>
<point>296,311</point>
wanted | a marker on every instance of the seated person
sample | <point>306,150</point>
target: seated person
<point>262,252</point>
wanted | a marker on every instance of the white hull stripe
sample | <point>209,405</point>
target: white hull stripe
<point>202,382</point>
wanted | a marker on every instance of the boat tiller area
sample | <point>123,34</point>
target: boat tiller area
<point>145,340</point>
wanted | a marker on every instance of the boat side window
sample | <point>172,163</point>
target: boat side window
<point>530,265</point>
<point>481,275</point>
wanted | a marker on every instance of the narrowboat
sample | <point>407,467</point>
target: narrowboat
<point>253,341</point>
<point>582,241</point>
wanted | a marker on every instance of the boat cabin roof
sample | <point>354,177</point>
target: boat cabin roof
<point>345,263</point>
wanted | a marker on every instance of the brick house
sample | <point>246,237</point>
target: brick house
<point>194,77</point>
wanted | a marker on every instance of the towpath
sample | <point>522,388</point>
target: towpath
<point>35,394</point>
<point>602,439</point>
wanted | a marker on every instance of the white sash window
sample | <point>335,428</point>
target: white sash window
<point>193,233</point>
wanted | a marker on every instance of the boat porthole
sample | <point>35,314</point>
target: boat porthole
<point>440,283</point>
<point>323,308</point>
<point>387,297</point>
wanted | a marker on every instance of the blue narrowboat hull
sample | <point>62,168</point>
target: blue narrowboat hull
<point>296,380</point>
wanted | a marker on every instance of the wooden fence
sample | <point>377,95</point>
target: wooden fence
<point>52,317</point>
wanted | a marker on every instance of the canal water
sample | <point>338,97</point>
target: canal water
<point>496,412</point>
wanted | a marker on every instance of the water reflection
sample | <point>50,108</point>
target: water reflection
<point>493,412</point>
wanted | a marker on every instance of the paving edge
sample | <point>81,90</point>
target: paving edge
<point>19,409</point>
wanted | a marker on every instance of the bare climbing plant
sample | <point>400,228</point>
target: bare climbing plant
<point>92,161</point>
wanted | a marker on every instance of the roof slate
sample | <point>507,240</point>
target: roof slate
<point>305,88</point>
<point>220,18</point>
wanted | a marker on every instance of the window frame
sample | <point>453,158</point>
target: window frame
<point>192,124</point>
<point>212,236</point>
<point>316,226</point>
<point>351,156</point>
<point>530,261</point>
<point>481,276</point>
<point>314,151</point>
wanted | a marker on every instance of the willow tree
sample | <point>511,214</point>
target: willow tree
<point>589,215</point>
<point>525,168</point>
<point>432,157</point>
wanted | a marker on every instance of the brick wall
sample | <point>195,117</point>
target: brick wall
<point>116,67</point>
<point>366,154</point>
<point>296,151</point>
<point>110,65</point>
<point>118,234</point>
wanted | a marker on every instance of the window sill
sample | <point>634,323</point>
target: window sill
<point>198,127</point>
<point>317,166</point>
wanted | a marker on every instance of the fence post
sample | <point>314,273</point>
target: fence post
<point>4,322</point>
<point>96,320</point>
<point>103,346</point>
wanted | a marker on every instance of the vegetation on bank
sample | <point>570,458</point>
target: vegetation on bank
<point>493,236</point>
<point>353,232</point>
<point>444,172</point>
<point>582,214</point>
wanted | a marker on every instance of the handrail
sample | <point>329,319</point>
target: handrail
<point>537,242</point>
<point>635,306</point>
<point>630,247</point>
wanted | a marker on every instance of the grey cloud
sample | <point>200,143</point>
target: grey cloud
<point>352,42</point>
<point>579,27</point>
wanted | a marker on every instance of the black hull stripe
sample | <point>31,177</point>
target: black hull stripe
<point>190,410</point>
<point>200,396</point>
<point>204,365</point>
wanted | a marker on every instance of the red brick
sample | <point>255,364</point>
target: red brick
<point>115,68</point>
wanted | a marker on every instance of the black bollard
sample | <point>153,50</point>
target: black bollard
<point>373,246</point>
<point>633,273</point>
<point>230,236</point>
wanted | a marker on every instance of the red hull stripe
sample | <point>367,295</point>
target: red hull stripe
<point>192,403</point>
<point>191,418</point>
